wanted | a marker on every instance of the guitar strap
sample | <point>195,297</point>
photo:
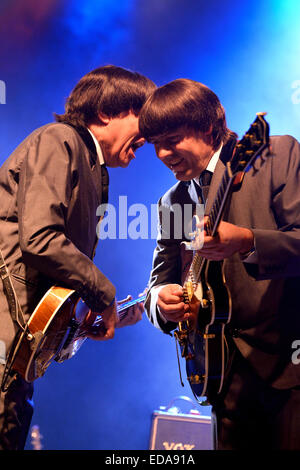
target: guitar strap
<point>14,305</point>
<point>18,319</point>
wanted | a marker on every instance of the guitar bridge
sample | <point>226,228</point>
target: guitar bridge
<point>181,336</point>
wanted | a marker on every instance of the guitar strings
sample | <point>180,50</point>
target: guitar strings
<point>81,334</point>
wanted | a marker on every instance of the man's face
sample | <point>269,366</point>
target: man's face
<point>186,153</point>
<point>121,140</point>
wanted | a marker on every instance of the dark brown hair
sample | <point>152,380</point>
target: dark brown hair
<point>109,89</point>
<point>184,103</point>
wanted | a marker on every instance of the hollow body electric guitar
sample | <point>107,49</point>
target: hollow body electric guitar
<point>202,340</point>
<point>56,330</point>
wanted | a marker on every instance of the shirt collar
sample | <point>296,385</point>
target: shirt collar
<point>214,160</point>
<point>98,148</point>
<point>212,163</point>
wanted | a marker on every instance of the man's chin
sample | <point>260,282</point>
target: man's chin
<point>181,176</point>
<point>124,164</point>
<point>117,163</point>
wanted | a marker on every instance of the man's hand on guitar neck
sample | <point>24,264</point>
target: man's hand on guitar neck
<point>107,328</point>
<point>110,319</point>
<point>230,239</point>
<point>132,315</point>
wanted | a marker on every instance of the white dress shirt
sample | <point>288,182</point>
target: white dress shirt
<point>98,148</point>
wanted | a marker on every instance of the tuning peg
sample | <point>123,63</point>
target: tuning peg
<point>257,143</point>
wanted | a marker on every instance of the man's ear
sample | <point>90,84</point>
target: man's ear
<point>103,118</point>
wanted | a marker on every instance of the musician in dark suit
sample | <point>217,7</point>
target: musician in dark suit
<point>52,190</point>
<point>259,241</point>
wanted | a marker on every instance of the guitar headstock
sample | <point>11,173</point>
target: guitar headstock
<point>251,145</point>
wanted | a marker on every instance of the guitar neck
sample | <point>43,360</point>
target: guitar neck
<point>218,206</point>
<point>246,151</point>
<point>130,303</point>
<point>213,220</point>
<point>122,309</point>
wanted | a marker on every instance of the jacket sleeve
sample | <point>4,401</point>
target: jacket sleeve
<point>44,194</point>
<point>278,251</point>
<point>166,269</point>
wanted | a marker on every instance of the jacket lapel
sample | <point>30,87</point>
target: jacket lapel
<point>97,172</point>
<point>214,185</point>
<point>225,156</point>
<point>88,140</point>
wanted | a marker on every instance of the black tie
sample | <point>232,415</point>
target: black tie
<point>204,181</point>
<point>104,182</point>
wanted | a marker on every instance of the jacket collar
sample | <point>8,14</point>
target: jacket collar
<point>89,142</point>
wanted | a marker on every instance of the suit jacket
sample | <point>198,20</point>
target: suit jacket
<point>264,291</point>
<point>50,188</point>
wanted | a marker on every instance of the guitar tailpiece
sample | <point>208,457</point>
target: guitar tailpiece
<point>178,360</point>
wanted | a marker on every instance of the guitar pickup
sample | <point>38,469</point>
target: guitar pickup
<point>209,336</point>
<point>196,379</point>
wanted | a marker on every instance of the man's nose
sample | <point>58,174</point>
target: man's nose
<point>162,151</point>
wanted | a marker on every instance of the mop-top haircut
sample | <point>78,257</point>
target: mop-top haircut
<point>186,104</point>
<point>110,90</point>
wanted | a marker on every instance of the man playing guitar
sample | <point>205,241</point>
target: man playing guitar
<point>256,248</point>
<point>50,190</point>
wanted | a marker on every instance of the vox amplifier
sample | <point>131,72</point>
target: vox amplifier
<point>180,431</point>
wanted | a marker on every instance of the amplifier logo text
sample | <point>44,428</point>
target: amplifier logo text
<point>178,446</point>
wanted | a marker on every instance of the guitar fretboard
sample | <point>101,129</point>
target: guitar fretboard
<point>216,211</point>
<point>213,220</point>
<point>121,309</point>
